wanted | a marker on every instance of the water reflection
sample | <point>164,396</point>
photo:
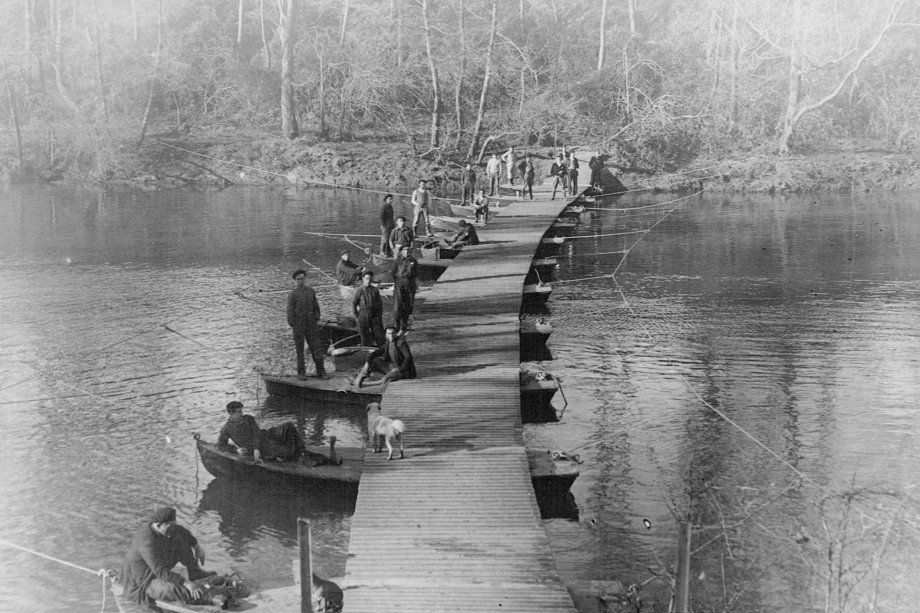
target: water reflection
<point>124,331</point>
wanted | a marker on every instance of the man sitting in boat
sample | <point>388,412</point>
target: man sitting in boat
<point>393,360</point>
<point>157,546</point>
<point>481,206</point>
<point>367,308</point>
<point>346,271</point>
<point>466,235</point>
<point>401,236</point>
<point>282,442</point>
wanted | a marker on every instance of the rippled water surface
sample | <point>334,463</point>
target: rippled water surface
<point>752,361</point>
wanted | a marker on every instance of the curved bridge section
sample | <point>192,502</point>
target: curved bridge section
<point>455,525</point>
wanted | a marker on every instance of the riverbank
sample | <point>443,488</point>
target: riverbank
<point>217,160</point>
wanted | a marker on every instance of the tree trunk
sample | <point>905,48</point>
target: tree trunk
<point>733,73</point>
<point>631,9</point>
<point>133,18</point>
<point>796,107</point>
<point>153,79</point>
<point>344,23</point>
<point>396,18</point>
<point>794,81</point>
<point>288,40</point>
<point>105,110</point>
<point>239,25</point>
<point>459,87</point>
<point>435,86</point>
<point>265,46</point>
<point>477,130</point>
<point>603,37</point>
<point>14,116</point>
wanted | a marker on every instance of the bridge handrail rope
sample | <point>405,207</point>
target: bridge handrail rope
<point>102,572</point>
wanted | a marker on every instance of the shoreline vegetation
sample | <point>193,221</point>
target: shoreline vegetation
<point>213,161</point>
<point>719,95</point>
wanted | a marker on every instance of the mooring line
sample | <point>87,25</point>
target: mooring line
<point>102,572</point>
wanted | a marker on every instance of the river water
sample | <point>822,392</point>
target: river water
<point>751,366</point>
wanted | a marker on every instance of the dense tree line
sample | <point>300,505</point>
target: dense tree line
<point>653,82</point>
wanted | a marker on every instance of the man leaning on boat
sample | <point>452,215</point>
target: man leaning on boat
<point>281,442</point>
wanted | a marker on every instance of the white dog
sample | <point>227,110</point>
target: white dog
<point>382,430</point>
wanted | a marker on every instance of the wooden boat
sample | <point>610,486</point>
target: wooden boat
<point>545,266</point>
<point>552,240</point>
<point>337,389</point>
<point>293,474</point>
<point>449,223</point>
<point>550,246</point>
<point>534,332</point>
<point>536,293</point>
<point>462,210</point>
<point>537,390</point>
<point>348,291</point>
<point>573,210</point>
<point>551,472</point>
<point>429,269</point>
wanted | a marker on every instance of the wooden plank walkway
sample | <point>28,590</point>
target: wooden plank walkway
<point>455,525</point>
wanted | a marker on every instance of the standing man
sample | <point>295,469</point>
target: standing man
<point>387,223</point>
<point>595,164</point>
<point>508,158</point>
<point>401,236</point>
<point>560,174</point>
<point>367,308</point>
<point>346,271</point>
<point>467,184</point>
<point>421,201</point>
<point>393,360</point>
<point>493,172</point>
<point>573,174</point>
<point>303,317</point>
<point>529,174</point>
<point>405,272</point>
<point>157,546</point>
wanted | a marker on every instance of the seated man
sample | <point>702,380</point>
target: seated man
<point>156,548</point>
<point>279,442</point>
<point>346,271</point>
<point>393,360</point>
<point>466,235</point>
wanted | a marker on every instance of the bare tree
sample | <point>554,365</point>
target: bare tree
<point>477,130</point>
<point>288,35</point>
<point>153,79</point>
<point>458,106</point>
<point>603,36</point>
<point>796,106</point>
<point>266,49</point>
<point>435,86</point>
<point>344,29</point>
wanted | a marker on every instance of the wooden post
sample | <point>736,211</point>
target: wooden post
<point>682,591</point>
<point>306,565</point>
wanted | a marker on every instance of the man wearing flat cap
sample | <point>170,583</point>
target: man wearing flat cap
<point>346,271</point>
<point>303,317</point>
<point>157,547</point>
<point>401,236</point>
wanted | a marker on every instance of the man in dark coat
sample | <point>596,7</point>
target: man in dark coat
<point>401,236</point>
<point>367,308</point>
<point>465,235</point>
<point>596,165</point>
<point>346,271</point>
<point>387,223</point>
<point>157,546</point>
<point>393,360</point>
<point>405,274</point>
<point>467,184</point>
<point>303,317</point>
